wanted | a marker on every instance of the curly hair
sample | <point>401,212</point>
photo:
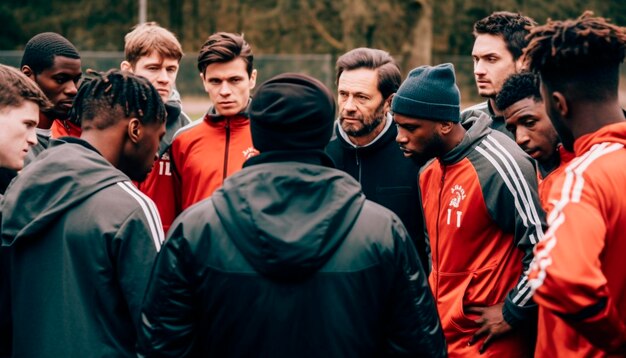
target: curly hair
<point>587,50</point>
<point>113,95</point>
<point>517,87</point>
<point>513,27</point>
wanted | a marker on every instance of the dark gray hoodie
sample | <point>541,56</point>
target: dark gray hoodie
<point>81,240</point>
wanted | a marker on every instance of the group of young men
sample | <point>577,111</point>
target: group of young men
<point>386,223</point>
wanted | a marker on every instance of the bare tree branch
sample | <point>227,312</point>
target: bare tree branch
<point>317,25</point>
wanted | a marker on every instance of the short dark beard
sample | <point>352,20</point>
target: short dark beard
<point>366,129</point>
<point>379,115</point>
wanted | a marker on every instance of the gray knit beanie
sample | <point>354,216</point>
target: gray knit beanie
<point>429,92</point>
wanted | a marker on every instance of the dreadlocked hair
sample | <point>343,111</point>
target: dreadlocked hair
<point>108,97</point>
<point>584,49</point>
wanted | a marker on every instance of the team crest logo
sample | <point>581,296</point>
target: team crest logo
<point>458,194</point>
<point>250,152</point>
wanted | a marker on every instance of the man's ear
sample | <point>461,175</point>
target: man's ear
<point>445,127</point>
<point>28,71</point>
<point>135,130</point>
<point>387,105</point>
<point>253,79</point>
<point>126,66</point>
<point>521,64</point>
<point>560,103</point>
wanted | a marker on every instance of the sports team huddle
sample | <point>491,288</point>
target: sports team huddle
<point>375,219</point>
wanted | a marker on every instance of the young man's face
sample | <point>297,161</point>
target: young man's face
<point>361,105</point>
<point>228,85</point>
<point>18,133</point>
<point>528,121</point>
<point>59,83</point>
<point>419,139</point>
<point>161,72</point>
<point>493,63</point>
<point>144,153</point>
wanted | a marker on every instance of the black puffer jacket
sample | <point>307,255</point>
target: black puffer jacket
<point>288,259</point>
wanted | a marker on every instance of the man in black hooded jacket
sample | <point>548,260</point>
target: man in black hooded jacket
<point>288,258</point>
<point>80,237</point>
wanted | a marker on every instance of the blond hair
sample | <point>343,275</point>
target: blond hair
<point>149,37</point>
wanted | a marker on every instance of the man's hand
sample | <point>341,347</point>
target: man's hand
<point>491,323</point>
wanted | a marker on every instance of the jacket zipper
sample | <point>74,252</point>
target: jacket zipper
<point>358,162</point>
<point>227,127</point>
<point>436,263</point>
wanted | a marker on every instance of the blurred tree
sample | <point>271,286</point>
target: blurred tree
<point>11,32</point>
<point>412,30</point>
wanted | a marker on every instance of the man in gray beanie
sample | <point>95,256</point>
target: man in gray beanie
<point>288,258</point>
<point>482,214</point>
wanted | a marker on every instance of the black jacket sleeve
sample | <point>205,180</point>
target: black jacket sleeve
<point>167,316</point>
<point>5,304</point>
<point>135,247</point>
<point>414,328</point>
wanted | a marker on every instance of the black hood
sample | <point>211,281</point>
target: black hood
<point>288,218</point>
<point>62,176</point>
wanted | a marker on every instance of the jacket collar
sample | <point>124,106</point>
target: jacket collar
<point>477,128</point>
<point>387,134</point>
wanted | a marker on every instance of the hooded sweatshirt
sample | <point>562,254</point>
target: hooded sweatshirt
<point>579,273</point>
<point>288,259</point>
<point>497,121</point>
<point>483,217</point>
<point>82,240</point>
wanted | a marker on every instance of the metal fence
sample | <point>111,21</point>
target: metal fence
<point>321,67</point>
<point>188,82</point>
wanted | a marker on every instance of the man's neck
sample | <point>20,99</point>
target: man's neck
<point>590,117</point>
<point>45,122</point>
<point>491,102</point>
<point>454,138</point>
<point>547,166</point>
